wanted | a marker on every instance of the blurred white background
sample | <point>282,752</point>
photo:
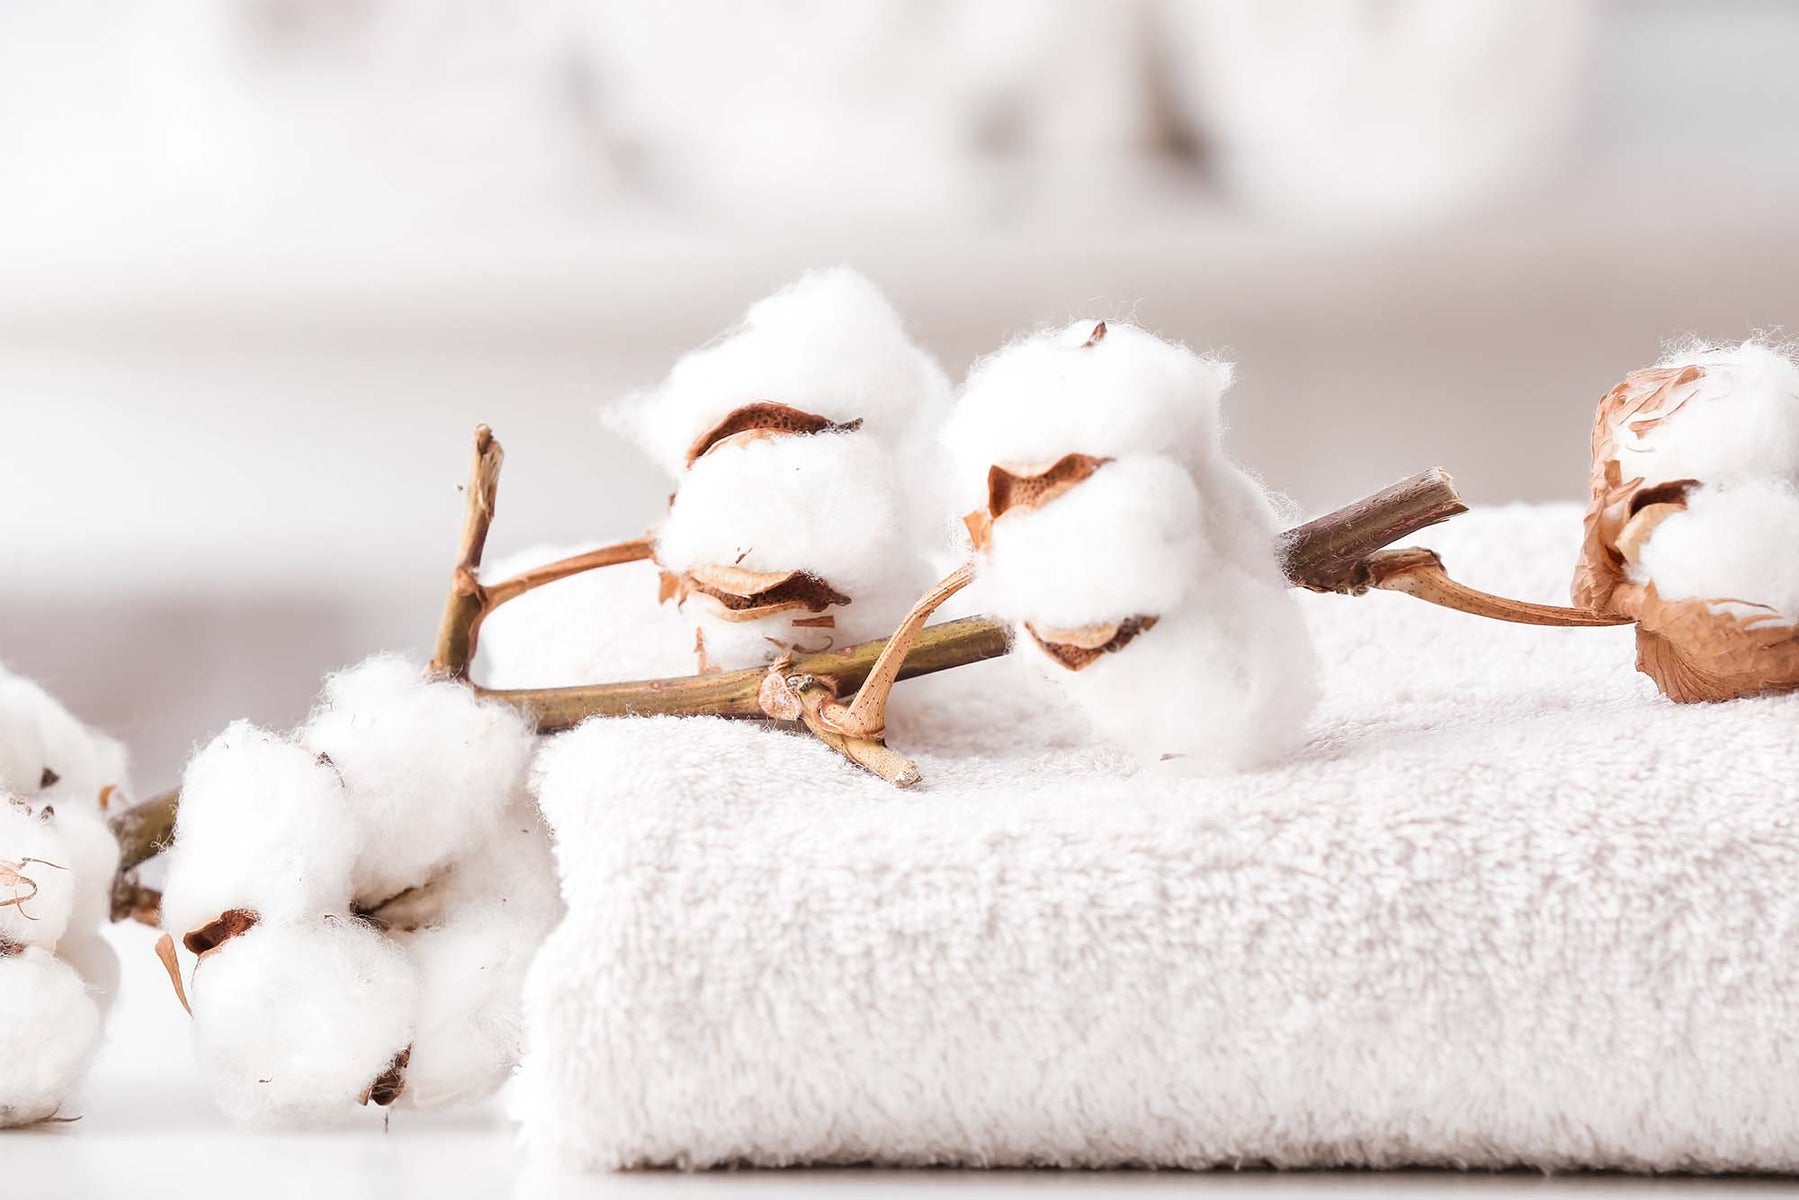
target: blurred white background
<point>264,263</point>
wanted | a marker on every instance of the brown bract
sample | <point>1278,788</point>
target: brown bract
<point>218,931</point>
<point>1032,485</point>
<point>1077,648</point>
<point>734,594</point>
<point>391,1083</point>
<point>764,419</point>
<point>1698,649</point>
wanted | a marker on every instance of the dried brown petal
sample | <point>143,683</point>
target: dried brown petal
<point>10,949</point>
<point>753,422</point>
<point>1032,485</point>
<point>217,932</point>
<point>980,529</point>
<point>1077,648</point>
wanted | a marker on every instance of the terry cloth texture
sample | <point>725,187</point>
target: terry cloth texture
<point>1508,907</point>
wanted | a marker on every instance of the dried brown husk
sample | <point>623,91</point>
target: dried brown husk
<point>735,594</point>
<point>221,929</point>
<point>1694,649</point>
<point>390,1085</point>
<point>1026,486</point>
<point>764,419</point>
<point>1080,647</point>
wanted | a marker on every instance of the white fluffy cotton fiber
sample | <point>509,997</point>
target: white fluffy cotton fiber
<point>396,878</point>
<point>829,344</point>
<point>1147,588</point>
<point>430,766</point>
<point>1732,546</point>
<point>828,488</point>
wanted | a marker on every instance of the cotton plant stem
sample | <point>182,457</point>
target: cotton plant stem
<point>466,605</point>
<point>471,601</point>
<point>1330,554</point>
<point>634,550</point>
<point>866,715</point>
<point>1418,572</point>
<point>145,830</point>
<point>736,693</point>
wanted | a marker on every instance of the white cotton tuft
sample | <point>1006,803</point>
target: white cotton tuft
<point>1062,392</point>
<point>264,826</point>
<point>38,881</point>
<point>1738,421</point>
<point>829,344</point>
<point>1731,545</point>
<point>1123,542</point>
<point>492,911</point>
<point>1223,682</point>
<point>292,1024</point>
<point>49,1030</point>
<point>429,767</point>
<point>48,755</point>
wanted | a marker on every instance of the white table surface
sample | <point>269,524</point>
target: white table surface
<point>146,1129</point>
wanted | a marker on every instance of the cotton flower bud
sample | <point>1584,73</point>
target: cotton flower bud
<point>1693,512</point>
<point>49,1030</point>
<point>794,442</point>
<point>295,1023</point>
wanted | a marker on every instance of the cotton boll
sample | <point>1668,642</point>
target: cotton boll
<point>292,1023</point>
<point>264,826</point>
<point>1737,421</point>
<point>38,882</point>
<point>46,753</point>
<point>826,505</point>
<point>428,765</point>
<point>1225,682</point>
<point>49,1029</point>
<point>1121,543</point>
<point>1067,391</point>
<point>830,345</point>
<point>1730,545</point>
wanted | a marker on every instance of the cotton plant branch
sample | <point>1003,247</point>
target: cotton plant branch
<point>1342,552</point>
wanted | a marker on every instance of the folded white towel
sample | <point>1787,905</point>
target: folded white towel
<point>1510,907</point>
